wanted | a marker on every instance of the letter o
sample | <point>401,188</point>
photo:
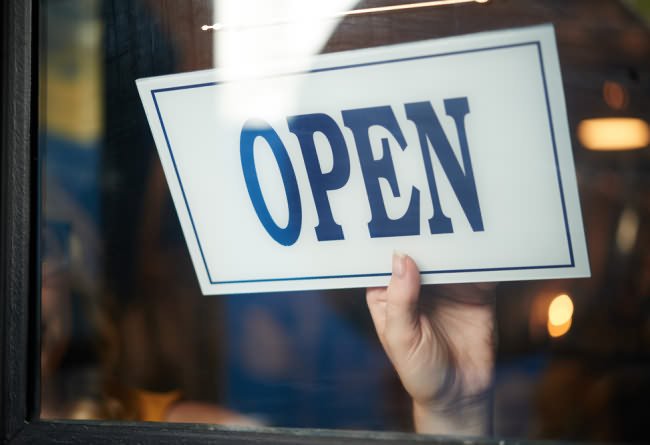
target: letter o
<point>252,129</point>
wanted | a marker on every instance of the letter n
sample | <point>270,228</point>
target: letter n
<point>462,181</point>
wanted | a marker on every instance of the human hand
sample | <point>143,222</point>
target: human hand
<point>440,342</point>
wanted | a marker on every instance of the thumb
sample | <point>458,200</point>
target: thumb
<point>402,315</point>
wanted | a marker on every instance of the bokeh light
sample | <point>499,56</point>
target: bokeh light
<point>614,95</point>
<point>560,310</point>
<point>558,331</point>
<point>560,315</point>
<point>614,133</point>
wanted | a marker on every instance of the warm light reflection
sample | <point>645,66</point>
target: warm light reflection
<point>614,95</point>
<point>627,231</point>
<point>222,26</point>
<point>560,310</point>
<point>614,133</point>
<point>558,331</point>
<point>410,6</point>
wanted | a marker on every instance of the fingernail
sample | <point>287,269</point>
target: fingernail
<point>399,263</point>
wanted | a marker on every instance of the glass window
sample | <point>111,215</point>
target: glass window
<point>127,334</point>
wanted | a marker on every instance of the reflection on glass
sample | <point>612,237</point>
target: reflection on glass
<point>127,334</point>
<point>561,310</point>
<point>627,231</point>
<point>560,315</point>
<point>614,95</point>
<point>614,133</point>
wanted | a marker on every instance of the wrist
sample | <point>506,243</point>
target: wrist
<point>465,419</point>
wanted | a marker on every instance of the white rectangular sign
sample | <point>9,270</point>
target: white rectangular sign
<point>454,151</point>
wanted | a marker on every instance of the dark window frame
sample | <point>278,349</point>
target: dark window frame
<point>20,284</point>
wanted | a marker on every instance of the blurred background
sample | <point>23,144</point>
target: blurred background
<point>123,319</point>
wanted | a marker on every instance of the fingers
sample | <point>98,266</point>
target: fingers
<point>394,309</point>
<point>401,312</point>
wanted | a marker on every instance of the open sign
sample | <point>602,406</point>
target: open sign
<point>455,151</point>
<point>359,121</point>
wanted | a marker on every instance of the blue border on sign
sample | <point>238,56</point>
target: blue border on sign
<point>382,62</point>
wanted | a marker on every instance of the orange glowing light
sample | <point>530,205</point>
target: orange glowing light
<point>614,133</point>
<point>560,310</point>
<point>614,95</point>
<point>558,331</point>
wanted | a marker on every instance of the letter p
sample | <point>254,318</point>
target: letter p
<point>304,127</point>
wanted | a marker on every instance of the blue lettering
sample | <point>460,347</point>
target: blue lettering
<point>359,121</point>
<point>254,128</point>
<point>380,225</point>
<point>463,184</point>
<point>304,127</point>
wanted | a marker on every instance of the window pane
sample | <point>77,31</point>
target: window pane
<point>127,334</point>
